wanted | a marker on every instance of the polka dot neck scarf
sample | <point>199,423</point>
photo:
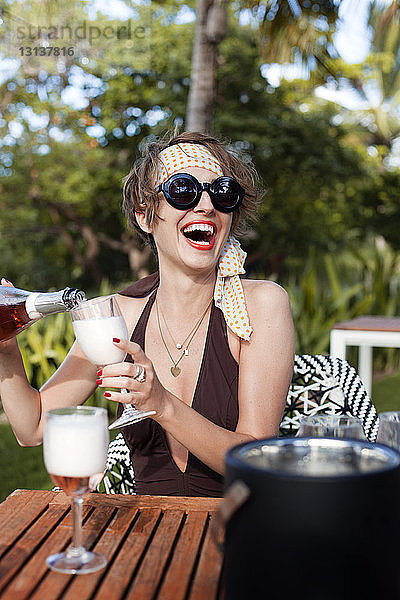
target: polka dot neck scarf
<point>228,291</point>
<point>180,156</point>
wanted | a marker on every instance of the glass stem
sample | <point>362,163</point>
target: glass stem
<point>124,391</point>
<point>76,546</point>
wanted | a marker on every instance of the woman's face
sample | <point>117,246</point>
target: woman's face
<point>192,238</point>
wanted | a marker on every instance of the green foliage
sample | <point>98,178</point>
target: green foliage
<point>60,200</point>
<point>68,200</point>
<point>297,32</point>
<point>44,346</point>
<point>313,167</point>
<point>381,206</point>
<point>320,302</point>
<point>364,280</point>
<point>61,210</point>
<point>376,82</point>
<point>20,467</point>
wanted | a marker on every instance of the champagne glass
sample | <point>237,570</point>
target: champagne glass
<point>75,444</point>
<point>96,322</point>
<point>389,429</point>
<point>331,426</point>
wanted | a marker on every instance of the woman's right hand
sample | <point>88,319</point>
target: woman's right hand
<point>9,346</point>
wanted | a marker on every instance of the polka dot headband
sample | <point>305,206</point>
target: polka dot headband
<point>180,156</point>
<point>228,291</point>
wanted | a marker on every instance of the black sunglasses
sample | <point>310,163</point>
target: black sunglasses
<point>183,191</point>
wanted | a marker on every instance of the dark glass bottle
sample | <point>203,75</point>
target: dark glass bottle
<point>19,308</point>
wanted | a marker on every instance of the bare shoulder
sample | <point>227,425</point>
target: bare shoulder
<point>263,295</point>
<point>131,309</point>
<point>270,317</point>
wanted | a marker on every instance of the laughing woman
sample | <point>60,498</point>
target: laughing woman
<point>217,350</point>
<point>214,351</point>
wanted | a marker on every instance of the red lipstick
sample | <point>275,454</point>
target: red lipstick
<point>201,245</point>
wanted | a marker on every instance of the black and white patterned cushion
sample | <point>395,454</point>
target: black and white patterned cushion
<point>324,384</point>
<point>320,384</point>
<point>119,477</point>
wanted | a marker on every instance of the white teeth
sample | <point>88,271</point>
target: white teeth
<point>199,227</point>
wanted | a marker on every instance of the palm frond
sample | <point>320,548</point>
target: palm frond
<point>296,31</point>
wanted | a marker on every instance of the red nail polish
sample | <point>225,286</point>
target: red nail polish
<point>99,372</point>
<point>107,395</point>
<point>99,381</point>
<point>116,340</point>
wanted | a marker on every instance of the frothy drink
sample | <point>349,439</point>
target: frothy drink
<point>95,339</point>
<point>75,446</point>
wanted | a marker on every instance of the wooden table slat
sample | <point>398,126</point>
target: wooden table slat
<point>18,553</point>
<point>150,571</point>
<point>177,579</point>
<point>19,515</point>
<point>84,587</point>
<point>206,581</point>
<point>163,502</point>
<point>120,574</point>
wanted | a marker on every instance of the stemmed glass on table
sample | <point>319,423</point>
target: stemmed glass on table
<point>75,444</point>
<point>96,322</point>
<point>389,429</point>
<point>331,426</point>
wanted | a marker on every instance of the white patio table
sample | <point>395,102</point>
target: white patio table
<point>365,332</point>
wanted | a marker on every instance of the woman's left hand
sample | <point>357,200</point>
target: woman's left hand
<point>139,379</point>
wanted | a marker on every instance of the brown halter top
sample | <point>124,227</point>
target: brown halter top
<point>215,397</point>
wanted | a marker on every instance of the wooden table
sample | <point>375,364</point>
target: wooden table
<point>365,332</point>
<point>157,547</point>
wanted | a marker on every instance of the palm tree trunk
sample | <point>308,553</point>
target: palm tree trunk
<point>202,86</point>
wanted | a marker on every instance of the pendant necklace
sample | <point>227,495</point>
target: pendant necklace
<point>179,345</point>
<point>175,370</point>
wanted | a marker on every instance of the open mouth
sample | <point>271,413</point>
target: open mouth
<point>200,234</point>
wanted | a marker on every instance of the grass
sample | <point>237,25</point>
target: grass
<point>24,468</point>
<point>20,467</point>
<point>386,393</point>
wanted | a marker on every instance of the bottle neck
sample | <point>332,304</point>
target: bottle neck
<point>42,304</point>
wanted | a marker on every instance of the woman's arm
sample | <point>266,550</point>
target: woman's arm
<point>266,362</point>
<point>265,371</point>
<point>71,385</point>
<point>25,407</point>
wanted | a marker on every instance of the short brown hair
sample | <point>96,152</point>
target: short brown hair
<point>140,196</point>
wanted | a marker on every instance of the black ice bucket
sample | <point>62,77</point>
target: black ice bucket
<point>321,520</point>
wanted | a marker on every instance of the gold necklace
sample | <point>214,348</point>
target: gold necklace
<point>178,345</point>
<point>175,370</point>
